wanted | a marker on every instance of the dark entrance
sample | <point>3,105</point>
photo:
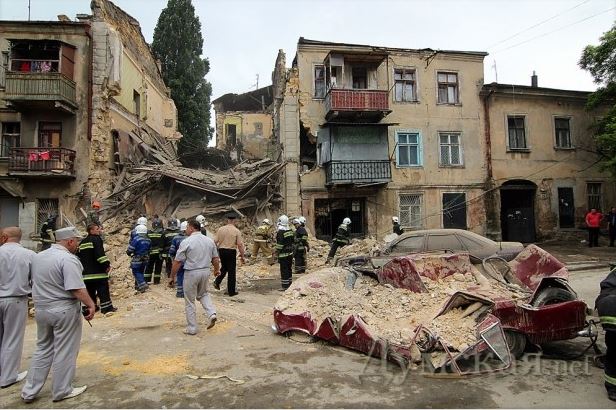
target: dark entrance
<point>330,212</point>
<point>454,210</point>
<point>566,210</point>
<point>518,211</point>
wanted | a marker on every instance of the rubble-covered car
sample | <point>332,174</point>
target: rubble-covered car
<point>429,240</point>
<point>437,308</point>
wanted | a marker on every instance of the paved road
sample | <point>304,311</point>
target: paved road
<point>139,358</point>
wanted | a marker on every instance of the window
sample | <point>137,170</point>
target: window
<point>562,128</point>
<point>50,134</point>
<point>454,210</point>
<point>593,189</point>
<point>405,89</point>
<point>409,149</point>
<point>10,137</point>
<point>360,78</point>
<point>517,132</point>
<point>450,149</point>
<point>447,88</point>
<point>44,208</point>
<point>443,242</point>
<point>410,210</point>
<point>137,103</point>
<point>231,133</point>
<point>319,81</point>
<point>4,66</point>
<point>409,245</point>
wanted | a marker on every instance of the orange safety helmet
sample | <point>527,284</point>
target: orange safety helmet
<point>96,205</point>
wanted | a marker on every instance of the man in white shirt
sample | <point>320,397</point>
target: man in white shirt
<point>15,269</point>
<point>197,253</point>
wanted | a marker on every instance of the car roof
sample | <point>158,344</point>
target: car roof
<point>443,231</point>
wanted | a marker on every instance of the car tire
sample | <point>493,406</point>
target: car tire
<point>516,342</point>
<point>550,296</point>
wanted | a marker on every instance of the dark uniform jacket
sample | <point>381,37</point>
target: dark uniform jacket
<point>284,243</point>
<point>398,229</point>
<point>606,301</point>
<point>92,256</point>
<point>343,236</point>
<point>169,235</point>
<point>139,248</point>
<point>157,238</point>
<point>48,226</point>
<point>301,240</point>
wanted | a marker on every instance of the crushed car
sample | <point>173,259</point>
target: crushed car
<point>437,308</point>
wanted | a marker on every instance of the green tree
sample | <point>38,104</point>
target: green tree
<point>178,44</point>
<point>600,61</point>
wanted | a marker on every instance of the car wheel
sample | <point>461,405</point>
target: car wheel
<point>550,296</point>
<point>516,342</point>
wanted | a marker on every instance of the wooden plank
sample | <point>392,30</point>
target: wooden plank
<point>238,212</point>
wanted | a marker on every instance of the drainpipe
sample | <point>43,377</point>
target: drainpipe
<point>490,207</point>
<point>90,80</point>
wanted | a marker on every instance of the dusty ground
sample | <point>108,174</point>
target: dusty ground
<point>139,358</point>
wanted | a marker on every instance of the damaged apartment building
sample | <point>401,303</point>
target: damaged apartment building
<point>371,132</point>
<point>74,96</point>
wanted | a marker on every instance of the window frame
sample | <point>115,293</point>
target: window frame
<point>562,117</point>
<point>458,100</point>
<point>12,135</point>
<point>419,148</point>
<point>408,225</point>
<point>314,81</point>
<point>415,98</point>
<point>449,145</point>
<point>599,195</point>
<point>508,140</point>
<point>443,209</point>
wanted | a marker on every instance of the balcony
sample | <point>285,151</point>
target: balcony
<point>356,105</point>
<point>40,89</point>
<point>42,162</point>
<point>357,172</point>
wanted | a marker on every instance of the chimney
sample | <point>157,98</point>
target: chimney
<point>534,82</point>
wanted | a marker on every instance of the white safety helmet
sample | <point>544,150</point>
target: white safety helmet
<point>302,220</point>
<point>283,220</point>
<point>142,220</point>
<point>346,221</point>
<point>200,219</point>
<point>395,219</point>
<point>183,226</point>
<point>267,221</point>
<point>141,229</point>
<point>296,221</point>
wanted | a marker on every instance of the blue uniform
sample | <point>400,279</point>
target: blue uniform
<point>173,249</point>
<point>139,249</point>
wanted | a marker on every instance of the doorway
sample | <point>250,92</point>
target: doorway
<point>566,209</point>
<point>329,213</point>
<point>518,211</point>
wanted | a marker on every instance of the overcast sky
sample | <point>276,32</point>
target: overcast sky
<point>242,37</point>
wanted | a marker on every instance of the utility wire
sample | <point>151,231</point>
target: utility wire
<point>553,31</point>
<point>537,25</point>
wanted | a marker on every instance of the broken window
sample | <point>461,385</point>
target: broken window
<point>593,190</point>
<point>517,132</point>
<point>360,78</point>
<point>50,134</point>
<point>447,88</point>
<point>231,133</point>
<point>450,149</point>
<point>562,127</point>
<point>410,211</point>
<point>10,137</point>
<point>45,207</point>
<point>454,210</point>
<point>319,81</point>
<point>137,103</point>
<point>409,149</point>
<point>404,87</point>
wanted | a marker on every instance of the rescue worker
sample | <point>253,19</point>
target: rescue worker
<point>202,223</point>
<point>197,253</point>
<point>155,263</point>
<point>142,220</point>
<point>396,223</point>
<point>301,246</point>
<point>261,241</point>
<point>139,250</point>
<point>96,267</point>
<point>229,241</point>
<point>170,233</point>
<point>47,231</point>
<point>93,214</point>
<point>606,306</point>
<point>173,249</point>
<point>284,251</point>
<point>15,275</point>
<point>342,238</point>
<point>57,289</point>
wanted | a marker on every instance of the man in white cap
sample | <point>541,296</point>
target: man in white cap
<point>15,267</point>
<point>57,289</point>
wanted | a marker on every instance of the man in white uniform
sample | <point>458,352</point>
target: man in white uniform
<point>198,253</point>
<point>57,289</point>
<point>15,265</point>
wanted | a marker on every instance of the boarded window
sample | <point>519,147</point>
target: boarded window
<point>562,127</point>
<point>447,88</point>
<point>450,149</point>
<point>410,211</point>
<point>10,137</point>
<point>404,87</point>
<point>409,149</point>
<point>593,189</point>
<point>516,131</point>
<point>319,81</point>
